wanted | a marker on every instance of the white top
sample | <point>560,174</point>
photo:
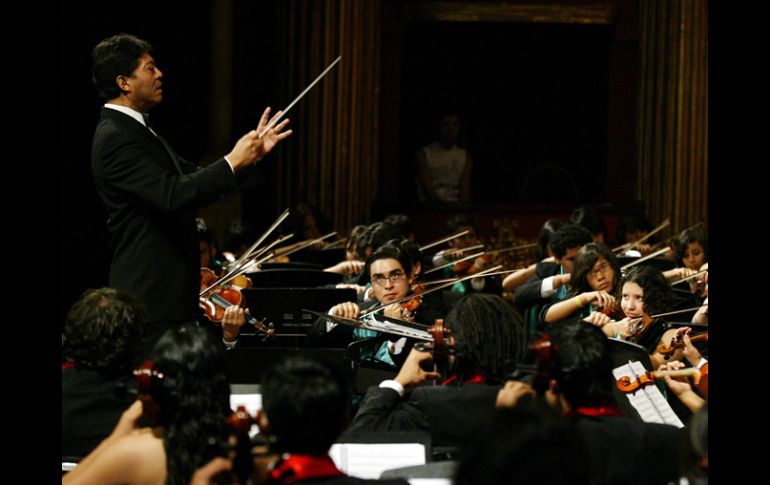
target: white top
<point>445,169</point>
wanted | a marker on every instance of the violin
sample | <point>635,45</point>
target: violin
<point>409,307</point>
<point>215,300</point>
<point>440,347</point>
<point>240,422</point>
<point>628,385</point>
<point>472,266</point>
<point>677,342</point>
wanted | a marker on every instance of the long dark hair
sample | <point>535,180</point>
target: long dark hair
<point>691,235</point>
<point>490,335</point>
<point>584,263</point>
<point>193,397</point>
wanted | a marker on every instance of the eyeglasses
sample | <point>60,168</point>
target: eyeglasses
<point>395,277</point>
<point>603,268</point>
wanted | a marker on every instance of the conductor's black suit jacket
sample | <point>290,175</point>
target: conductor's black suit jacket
<point>151,196</point>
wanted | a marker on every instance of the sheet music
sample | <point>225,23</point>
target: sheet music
<point>648,400</point>
<point>366,460</point>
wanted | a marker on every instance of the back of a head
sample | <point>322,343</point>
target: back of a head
<point>103,330</point>
<point>695,454</point>
<point>375,236</point>
<point>490,336</point>
<point>581,364</point>
<point>402,222</point>
<point>527,444</point>
<point>193,398</point>
<point>307,405</point>
<point>569,236</point>
<point>587,217</point>
<point>544,237</point>
<point>115,56</point>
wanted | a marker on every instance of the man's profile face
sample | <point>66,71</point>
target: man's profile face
<point>144,86</point>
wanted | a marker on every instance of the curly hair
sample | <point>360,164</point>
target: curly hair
<point>657,296</point>
<point>104,330</point>
<point>193,397</point>
<point>584,263</point>
<point>490,336</point>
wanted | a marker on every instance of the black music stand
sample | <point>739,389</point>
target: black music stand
<point>293,278</point>
<point>283,308</point>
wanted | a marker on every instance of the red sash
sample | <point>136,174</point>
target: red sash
<point>297,468</point>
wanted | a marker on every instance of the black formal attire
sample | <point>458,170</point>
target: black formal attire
<point>151,196</point>
<point>91,405</point>
<point>451,414</point>
<point>626,450</point>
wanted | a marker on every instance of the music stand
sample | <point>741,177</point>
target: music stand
<point>620,353</point>
<point>293,278</point>
<point>283,307</point>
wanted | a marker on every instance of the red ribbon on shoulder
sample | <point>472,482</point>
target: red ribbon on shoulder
<point>296,468</point>
<point>597,411</point>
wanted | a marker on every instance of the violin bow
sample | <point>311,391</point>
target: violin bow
<point>694,275</point>
<point>377,325</point>
<point>644,258</point>
<point>303,244</point>
<point>514,248</point>
<point>628,246</point>
<point>472,256</point>
<point>440,241</point>
<point>286,110</point>
<point>440,287</point>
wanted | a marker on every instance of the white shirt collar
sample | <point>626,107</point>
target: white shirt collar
<point>130,112</point>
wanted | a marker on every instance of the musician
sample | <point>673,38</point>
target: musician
<point>103,334</point>
<point>186,404</point>
<point>579,385</point>
<point>550,281</point>
<point>305,407</point>
<point>390,272</point>
<point>151,194</point>
<point>488,339</point>
<point>543,256</point>
<point>594,282</point>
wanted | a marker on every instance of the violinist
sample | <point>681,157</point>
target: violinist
<point>644,292</point>
<point>486,338</point>
<point>390,273</point>
<point>305,407</point>
<point>632,226</point>
<point>184,395</point>
<point>457,224</point>
<point>691,255</point>
<point>551,285</point>
<point>579,385</point>
<point>595,280</point>
<point>543,255</point>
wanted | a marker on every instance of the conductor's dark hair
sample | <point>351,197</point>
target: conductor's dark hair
<point>390,250</point>
<point>490,336</point>
<point>307,405</point>
<point>688,236</point>
<point>544,238</point>
<point>527,444</point>
<point>113,57</point>
<point>587,217</point>
<point>657,297</point>
<point>580,363</point>
<point>104,330</point>
<point>193,396</point>
<point>569,236</point>
<point>584,263</point>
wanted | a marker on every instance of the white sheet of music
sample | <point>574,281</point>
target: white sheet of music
<point>648,400</point>
<point>367,460</point>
